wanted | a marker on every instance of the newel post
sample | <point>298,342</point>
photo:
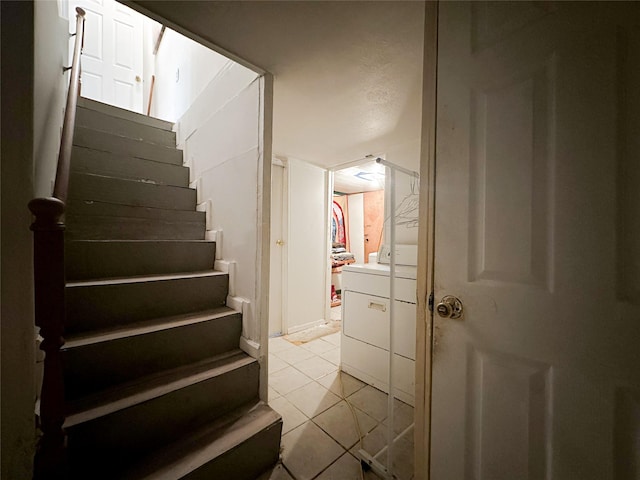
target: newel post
<point>49,286</point>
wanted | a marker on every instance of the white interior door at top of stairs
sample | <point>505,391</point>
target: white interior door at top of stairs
<point>112,53</point>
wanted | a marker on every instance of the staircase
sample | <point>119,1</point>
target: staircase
<point>155,384</point>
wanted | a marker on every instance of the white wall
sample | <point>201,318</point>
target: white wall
<point>16,318</point>
<point>50,91</point>
<point>355,204</point>
<point>308,259</point>
<point>183,69</point>
<point>221,138</point>
<point>407,156</point>
<point>150,31</point>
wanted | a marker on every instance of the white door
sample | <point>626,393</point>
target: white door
<point>307,263</point>
<point>277,248</point>
<point>538,234</point>
<point>112,54</point>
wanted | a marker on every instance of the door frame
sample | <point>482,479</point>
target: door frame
<point>426,236</point>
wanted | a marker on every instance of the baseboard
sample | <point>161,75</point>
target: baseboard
<point>250,347</point>
<point>239,304</point>
<point>304,326</point>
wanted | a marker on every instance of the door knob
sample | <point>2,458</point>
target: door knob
<point>280,242</point>
<point>138,79</point>
<point>449,307</point>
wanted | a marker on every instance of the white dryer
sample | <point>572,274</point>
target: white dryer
<point>365,323</point>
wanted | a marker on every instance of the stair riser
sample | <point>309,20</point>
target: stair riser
<point>103,306</point>
<point>124,114</point>
<point>126,359</point>
<point>125,128</point>
<point>106,142</point>
<point>91,208</point>
<point>112,443</point>
<point>126,192</point>
<point>86,160</point>
<point>113,228</point>
<point>87,260</point>
<point>245,462</point>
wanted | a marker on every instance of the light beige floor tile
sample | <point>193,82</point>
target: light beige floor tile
<point>347,467</point>
<point>333,338</point>
<point>291,416</point>
<point>402,416</point>
<point>336,313</point>
<point>312,399</point>
<point>294,355</point>
<point>349,383</point>
<point>307,451</point>
<point>316,367</point>
<point>339,423</point>
<point>332,356</point>
<point>372,401</point>
<point>276,473</point>
<point>402,464</point>
<point>272,394</point>
<point>279,344</point>
<point>276,364</point>
<point>373,442</point>
<point>287,380</point>
<point>318,346</point>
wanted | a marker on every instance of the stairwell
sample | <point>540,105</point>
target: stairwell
<point>156,386</point>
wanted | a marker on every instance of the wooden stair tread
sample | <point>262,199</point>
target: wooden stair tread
<point>226,433</point>
<point>137,241</point>
<point>147,326</point>
<point>124,114</point>
<point>153,386</point>
<point>87,209</point>
<point>143,279</point>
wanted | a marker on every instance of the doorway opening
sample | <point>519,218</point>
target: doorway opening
<point>331,387</point>
<point>356,222</point>
<point>133,62</point>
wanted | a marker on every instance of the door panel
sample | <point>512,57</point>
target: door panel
<point>535,105</point>
<point>112,53</point>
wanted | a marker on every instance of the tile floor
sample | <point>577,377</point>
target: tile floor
<point>319,436</point>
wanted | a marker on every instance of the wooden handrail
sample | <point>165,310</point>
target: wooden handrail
<point>66,144</point>
<point>49,285</point>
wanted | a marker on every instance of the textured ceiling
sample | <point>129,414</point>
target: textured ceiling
<point>348,75</point>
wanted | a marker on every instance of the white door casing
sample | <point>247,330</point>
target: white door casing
<point>112,53</point>
<point>277,249</point>
<point>536,231</point>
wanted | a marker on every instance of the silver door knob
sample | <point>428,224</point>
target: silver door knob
<point>449,307</point>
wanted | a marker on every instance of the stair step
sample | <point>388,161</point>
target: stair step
<point>93,220</point>
<point>239,446</point>
<point>124,114</point>
<point>90,259</point>
<point>108,142</point>
<point>114,429</point>
<point>87,160</point>
<point>89,208</point>
<point>101,304</point>
<point>101,228</point>
<point>103,122</point>
<point>118,356</point>
<point>85,186</point>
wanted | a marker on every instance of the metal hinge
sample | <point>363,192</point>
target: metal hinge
<point>430,303</point>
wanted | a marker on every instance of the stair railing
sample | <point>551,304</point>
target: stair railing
<point>49,283</point>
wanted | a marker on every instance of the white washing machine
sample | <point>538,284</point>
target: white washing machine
<point>365,323</point>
